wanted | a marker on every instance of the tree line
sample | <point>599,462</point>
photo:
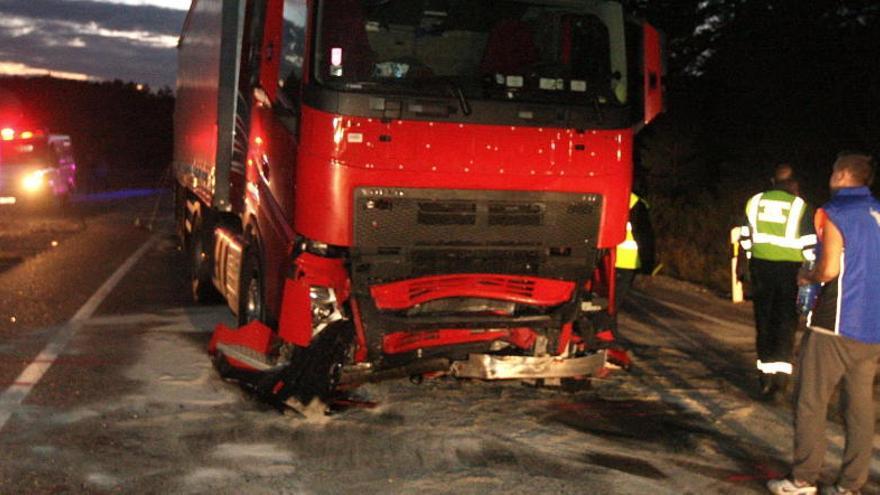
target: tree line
<point>751,84</point>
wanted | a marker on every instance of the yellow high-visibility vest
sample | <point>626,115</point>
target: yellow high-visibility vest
<point>628,250</point>
<point>774,232</point>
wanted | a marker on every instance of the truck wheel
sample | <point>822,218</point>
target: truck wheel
<point>251,300</point>
<point>323,366</point>
<point>201,282</point>
<point>315,370</point>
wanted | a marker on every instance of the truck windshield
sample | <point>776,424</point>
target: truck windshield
<point>553,51</point>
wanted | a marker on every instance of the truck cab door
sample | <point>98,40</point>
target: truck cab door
<point>275,119</point>
<point>647,65</point>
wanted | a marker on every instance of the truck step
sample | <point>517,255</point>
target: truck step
<point>248,356</point>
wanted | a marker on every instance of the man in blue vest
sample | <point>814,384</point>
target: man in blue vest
<point>843,341</point>
<point>776,236</point>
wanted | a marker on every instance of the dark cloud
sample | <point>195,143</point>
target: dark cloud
<point>109,15</point>
<point>102,40</point>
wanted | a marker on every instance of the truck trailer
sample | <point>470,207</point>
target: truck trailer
<point>391,188</point>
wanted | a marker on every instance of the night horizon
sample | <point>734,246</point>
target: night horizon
<point>98,40</point>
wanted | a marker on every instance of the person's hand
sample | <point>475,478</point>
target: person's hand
<point>804,277</point>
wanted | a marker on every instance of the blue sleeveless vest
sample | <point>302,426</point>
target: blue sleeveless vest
<point>850,305</point>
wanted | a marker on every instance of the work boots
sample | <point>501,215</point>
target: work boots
<point>772,386</point>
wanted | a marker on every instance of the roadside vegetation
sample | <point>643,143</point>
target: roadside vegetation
<point>751,85</point>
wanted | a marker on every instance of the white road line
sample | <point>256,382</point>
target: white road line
<point>12,397</point>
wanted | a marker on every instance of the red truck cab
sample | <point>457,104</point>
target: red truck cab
<point>396,187</point>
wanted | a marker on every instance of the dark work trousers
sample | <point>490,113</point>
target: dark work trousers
<point>823,362</point>
<point>774,297</point>
<point>623,280</point>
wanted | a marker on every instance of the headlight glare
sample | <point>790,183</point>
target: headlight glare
<point>33,181</point>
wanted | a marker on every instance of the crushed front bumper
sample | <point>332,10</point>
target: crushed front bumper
<point>492,367</point>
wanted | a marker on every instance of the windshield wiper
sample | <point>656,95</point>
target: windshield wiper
<point>597,106</point>
<point>452,86</point>
<point>462,98</point>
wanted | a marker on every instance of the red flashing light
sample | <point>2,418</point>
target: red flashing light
<point>10,134</point>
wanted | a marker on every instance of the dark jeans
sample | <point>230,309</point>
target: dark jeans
<point>623,280</point>
<point>774,296</point>
<point>824,361</point>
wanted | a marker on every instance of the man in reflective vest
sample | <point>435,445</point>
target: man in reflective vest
<point>636,253</point>
<point>777,236</point>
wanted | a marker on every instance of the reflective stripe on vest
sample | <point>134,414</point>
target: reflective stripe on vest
<point>775,219</point>
<point>628,250</point>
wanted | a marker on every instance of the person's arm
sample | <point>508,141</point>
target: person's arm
<point>745,233</point>
<point>744,253</point>
<point>643,234</point>
<point>809,238</point>
<point>828,266</point>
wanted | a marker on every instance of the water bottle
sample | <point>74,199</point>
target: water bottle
<point>807,294</point>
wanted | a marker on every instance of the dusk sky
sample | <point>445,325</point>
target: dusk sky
<point>131,40</point>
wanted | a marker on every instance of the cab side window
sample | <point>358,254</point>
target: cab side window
<point>293,41</point>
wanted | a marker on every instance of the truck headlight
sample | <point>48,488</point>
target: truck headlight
<point>325,308</point>
<point>33,182</point>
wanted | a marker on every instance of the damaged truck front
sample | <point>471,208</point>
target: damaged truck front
<point>384,188</point>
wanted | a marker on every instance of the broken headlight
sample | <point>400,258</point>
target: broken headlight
<point>324,308</point>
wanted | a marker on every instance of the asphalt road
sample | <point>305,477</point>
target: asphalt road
<point>105,387</point>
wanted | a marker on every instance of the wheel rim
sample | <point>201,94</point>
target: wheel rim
<point>253,307</point>
<point>197,260</point>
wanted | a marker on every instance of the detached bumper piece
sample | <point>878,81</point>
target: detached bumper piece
<point>492,367</point>
<point>518,289</point>
<point>246,348</point>
<point>249,356</point>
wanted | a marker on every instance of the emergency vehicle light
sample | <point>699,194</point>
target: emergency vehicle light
<point>10,134</point>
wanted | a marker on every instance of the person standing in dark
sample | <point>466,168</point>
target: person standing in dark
<point>842,344</point>
<point>636,253</point>
<point>777,235</point>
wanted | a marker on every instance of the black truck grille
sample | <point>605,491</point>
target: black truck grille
<point>447,213</point>
<point>440,261</point>
<point>406,233</point>
<point>466,213</point>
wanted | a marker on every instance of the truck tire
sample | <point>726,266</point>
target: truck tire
<point>201,268</point>
<point>252,305</point>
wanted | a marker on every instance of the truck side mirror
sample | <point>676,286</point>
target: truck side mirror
<point>654,72</point>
